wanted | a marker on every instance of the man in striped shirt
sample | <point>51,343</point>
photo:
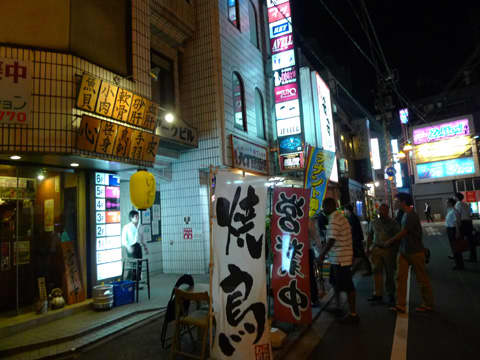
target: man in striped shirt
<point>339,248</point>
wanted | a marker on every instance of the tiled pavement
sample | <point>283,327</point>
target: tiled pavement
<point>84,327</point>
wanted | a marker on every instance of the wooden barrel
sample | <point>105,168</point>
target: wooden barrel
<point>102,297</point>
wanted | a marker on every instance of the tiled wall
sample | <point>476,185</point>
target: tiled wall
<point>216,50</point>
<point>200,105</point>
<point>240,55</point>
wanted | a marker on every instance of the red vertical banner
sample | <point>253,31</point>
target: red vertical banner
<point>290,245</point>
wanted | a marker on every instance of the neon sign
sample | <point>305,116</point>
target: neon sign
<point>441,131</point>
<point>445,168</point>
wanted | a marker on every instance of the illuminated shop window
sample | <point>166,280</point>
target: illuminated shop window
<point>252,19</point>
<point>259,114</point>
<point>233,13</point>
<point>239,102</point>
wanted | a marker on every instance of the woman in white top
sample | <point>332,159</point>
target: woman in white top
<point>452,223</point>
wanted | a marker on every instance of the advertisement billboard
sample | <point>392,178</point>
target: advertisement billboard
<point>325,108</point>
<point>446,168</point>
<point>290,126</point>
<point>441,131</point>
<point>287,109</point>
<point>283,59</point>
<point>279,12</point>
<point>451,148</point>
<point>376,163</point>
<point>286,93</point>
<point>285,76</point>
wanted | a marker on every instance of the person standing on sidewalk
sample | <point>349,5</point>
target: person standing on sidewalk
<point>132,242</point>
<point>452,224</point>
<point>428,212</point>
<point>411,252</point>
<point>466,225</point>
<point>383,258</point>
<point>340,253</point>
<point>357,240</point>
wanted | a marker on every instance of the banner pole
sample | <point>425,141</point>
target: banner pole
<point>212,173</point>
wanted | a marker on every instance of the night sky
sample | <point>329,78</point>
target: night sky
<point>426,41</point>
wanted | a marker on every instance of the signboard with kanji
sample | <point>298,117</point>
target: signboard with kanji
<point>104,137</point>
<point>15,91</point>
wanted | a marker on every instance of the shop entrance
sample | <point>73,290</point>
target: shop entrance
<point>37,213</point>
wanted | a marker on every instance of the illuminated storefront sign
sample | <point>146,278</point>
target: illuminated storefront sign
<point>287,109</point>
<point>403,116</point>
<point>279,12</point>
<point>290,126</point>
<point>107,226</point>
<point>441,131</point>
<point>281,27</point>
<point>443,150</point>
<point>286,88</point>
<point>283,59</point>
<point>376,163</point>
<point>286,92</point>
<point>325,108</point>
<point>446,168</point>
<point>282,43</point>
<point>285,76</point>
<point>290,144</point>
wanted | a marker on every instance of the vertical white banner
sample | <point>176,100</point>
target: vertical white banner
<point>239,288</point>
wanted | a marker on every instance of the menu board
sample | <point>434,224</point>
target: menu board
<point>108,229</point>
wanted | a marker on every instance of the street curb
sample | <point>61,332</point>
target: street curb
<point>285,350</point>
<point>82,333</point>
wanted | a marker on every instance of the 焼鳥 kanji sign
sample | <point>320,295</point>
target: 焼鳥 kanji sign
<point>239,289</point>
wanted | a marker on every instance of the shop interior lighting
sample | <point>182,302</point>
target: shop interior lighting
<point>408,147</point>
<point>74,164</point>
<point>169,118</point>
<point>15,157</point>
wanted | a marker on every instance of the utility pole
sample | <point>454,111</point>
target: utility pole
<point>384,107</point>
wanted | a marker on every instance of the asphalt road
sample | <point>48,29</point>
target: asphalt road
<point>451,332</point>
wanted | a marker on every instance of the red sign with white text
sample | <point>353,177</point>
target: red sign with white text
<point>286,92</point>
<point>282,43</point>
<point>470,196</point>
<point>279,12</point>
<point>290,245</point>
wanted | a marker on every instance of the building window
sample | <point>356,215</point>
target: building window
<point>233,13</point>
<point>163,86</point>
<point>252,18</point>
<point>239,102</point>
<point>259,114</point>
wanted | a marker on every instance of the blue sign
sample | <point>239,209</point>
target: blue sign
<point>390,171</point>
<point>441,169</point>
<point>281,27</point>
<point>290,144</point>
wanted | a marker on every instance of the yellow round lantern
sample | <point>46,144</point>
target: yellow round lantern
<point>142,189</point>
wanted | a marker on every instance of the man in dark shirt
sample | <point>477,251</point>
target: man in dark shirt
<point>411,252</point>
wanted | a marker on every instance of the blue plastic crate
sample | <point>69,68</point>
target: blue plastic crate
<point>123,292</point>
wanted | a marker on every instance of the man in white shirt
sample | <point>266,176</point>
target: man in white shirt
<point>132,242</point>
<point>466,224</point>
<point>339,248</point>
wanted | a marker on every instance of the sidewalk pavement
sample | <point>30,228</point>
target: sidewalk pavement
<point>78,329</point>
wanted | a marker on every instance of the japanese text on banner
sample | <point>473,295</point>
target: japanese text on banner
<point>239,276</point>
<point>290,245</point>
<point>319,168</point>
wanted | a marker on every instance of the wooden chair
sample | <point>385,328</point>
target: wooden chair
<point>185,319</point>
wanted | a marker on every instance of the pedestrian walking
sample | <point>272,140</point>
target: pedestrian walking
<point>452,225</point>
<point>466,225</point>
<point>383,257</point>
<point>411,252</point>
<point>340,253</point>
<point>359,255</point>
<point>428,212</point>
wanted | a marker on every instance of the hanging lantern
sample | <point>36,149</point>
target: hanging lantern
<point>142,189</point>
